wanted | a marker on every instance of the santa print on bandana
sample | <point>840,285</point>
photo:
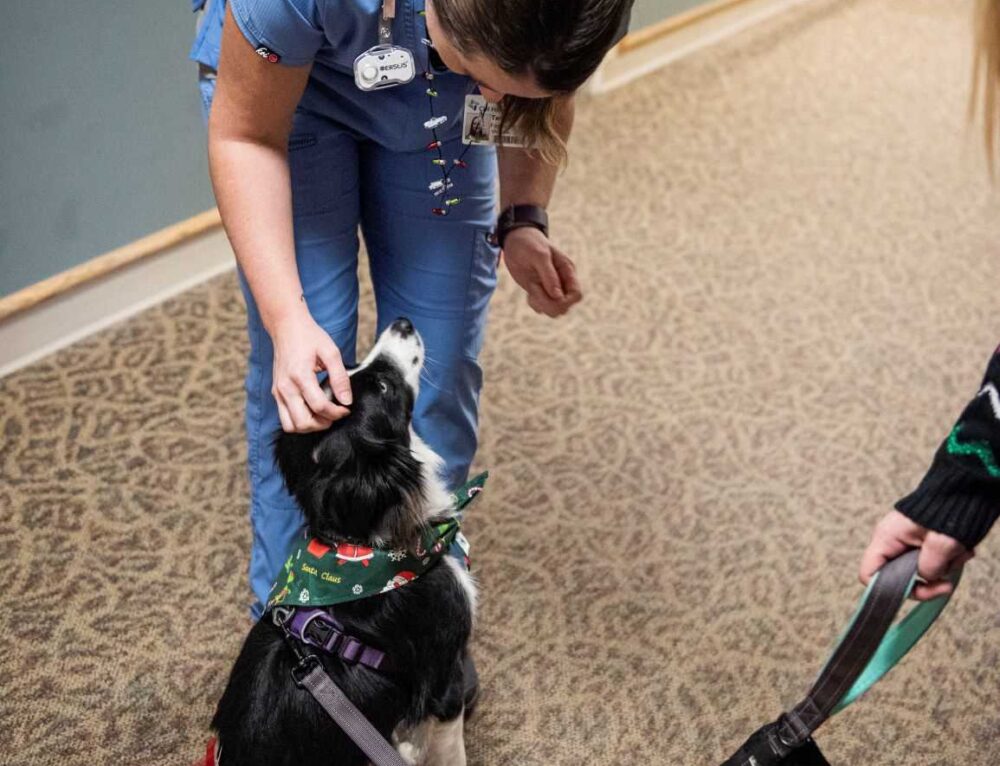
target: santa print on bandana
<point>323,574</point>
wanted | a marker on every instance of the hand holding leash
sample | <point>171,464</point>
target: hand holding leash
<point>939,554</point>
<point>869,647</point>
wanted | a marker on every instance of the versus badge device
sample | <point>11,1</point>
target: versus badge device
<point>384,65</point>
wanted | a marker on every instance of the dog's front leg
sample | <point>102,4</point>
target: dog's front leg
<point>412,742</point>
<point>446,745</point>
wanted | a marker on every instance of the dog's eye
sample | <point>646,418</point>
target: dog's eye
<point>383,386</point>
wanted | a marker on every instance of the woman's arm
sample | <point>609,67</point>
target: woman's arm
<point>958,500</point>
<point>526,180</point>
<point>248,132</point>
<point>545,273</point>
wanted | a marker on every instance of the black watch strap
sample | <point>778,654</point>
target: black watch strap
<point>518,216</point>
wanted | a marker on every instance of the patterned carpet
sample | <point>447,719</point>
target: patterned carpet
<point>789,247</point>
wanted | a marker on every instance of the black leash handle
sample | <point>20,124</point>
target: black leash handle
<point>869,647</point>
<point>854,651</point>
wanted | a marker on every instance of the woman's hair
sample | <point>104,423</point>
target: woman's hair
<point>559,42</point>
<point>986,73</point>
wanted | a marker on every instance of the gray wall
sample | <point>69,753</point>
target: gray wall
<point>101,139</point>
<point>646,12</point>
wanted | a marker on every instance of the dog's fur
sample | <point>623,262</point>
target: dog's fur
<point>368,479</point>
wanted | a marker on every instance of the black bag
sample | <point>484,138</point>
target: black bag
<point>866,651</point>
<point>766,747</point>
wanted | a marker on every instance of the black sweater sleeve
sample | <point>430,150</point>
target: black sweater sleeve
<point>960,495</point>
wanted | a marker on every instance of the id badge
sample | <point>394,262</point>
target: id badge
<point>481,124</point>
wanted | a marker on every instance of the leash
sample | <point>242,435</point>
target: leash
<point>868,648</point>
<point>310,675</point>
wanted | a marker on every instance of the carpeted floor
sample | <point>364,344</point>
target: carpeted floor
<point>789,245</point>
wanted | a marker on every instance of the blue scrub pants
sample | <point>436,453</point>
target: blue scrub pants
<point>438,272</point>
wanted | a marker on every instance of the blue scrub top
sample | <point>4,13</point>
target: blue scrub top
<point>331,34</point>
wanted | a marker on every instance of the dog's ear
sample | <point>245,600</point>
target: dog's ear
<point>364,487</point>
<point>292,453</point>
<point>379,490</point>
<point>334,451</point>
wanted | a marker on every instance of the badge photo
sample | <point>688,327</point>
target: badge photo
<point>481,124</point>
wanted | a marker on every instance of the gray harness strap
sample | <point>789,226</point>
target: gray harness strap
<point>333,700</point>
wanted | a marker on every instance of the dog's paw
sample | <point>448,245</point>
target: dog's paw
<point>409,752</point>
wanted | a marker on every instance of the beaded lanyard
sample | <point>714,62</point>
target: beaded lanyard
<point>440,188</point>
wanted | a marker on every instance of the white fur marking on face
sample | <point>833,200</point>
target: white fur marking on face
<point>402,351</point>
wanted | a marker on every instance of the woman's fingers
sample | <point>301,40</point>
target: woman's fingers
<point>318,402</point>
<point>556,288</point>
<point>938,555</point>
<point>340,383</point>
<point>286,419</point>
<point>928,591</point>
<point>298,417</point>
<point>567,274</point>
<point>546,271</point>
<point>540,301</point>
<point>881,549</point>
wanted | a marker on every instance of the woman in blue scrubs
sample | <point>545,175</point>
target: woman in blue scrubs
<point>301,157</point>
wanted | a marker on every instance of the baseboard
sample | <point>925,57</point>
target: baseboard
<point>648,50</point>
<point>102,265</point>
<point>68,316</point>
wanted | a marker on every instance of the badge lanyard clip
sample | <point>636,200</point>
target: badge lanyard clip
<point>385,65</point>
<point>385,22</point>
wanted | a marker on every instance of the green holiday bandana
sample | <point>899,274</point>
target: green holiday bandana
<point>323,574</point>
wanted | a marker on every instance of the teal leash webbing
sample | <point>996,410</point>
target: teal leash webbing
<point>868,649</point>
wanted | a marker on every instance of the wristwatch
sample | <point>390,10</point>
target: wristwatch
<point>518,216</point>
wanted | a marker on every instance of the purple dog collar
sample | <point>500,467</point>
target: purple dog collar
<point>317,627</point>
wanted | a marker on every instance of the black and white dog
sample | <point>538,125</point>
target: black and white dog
<point>371,480</point>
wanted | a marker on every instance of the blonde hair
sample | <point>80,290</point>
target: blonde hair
<point>535,119</point>
<point>986,74</point>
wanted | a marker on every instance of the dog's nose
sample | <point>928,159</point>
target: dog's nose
<point>403,326</point>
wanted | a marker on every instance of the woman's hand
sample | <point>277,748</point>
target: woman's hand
<point>301,349</point>
<point>546,274</point>
<point>939,554</point>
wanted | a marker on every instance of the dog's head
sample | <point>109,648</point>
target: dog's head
<point>360,479</point>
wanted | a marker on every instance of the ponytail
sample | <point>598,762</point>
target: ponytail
<point>985,95</point>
